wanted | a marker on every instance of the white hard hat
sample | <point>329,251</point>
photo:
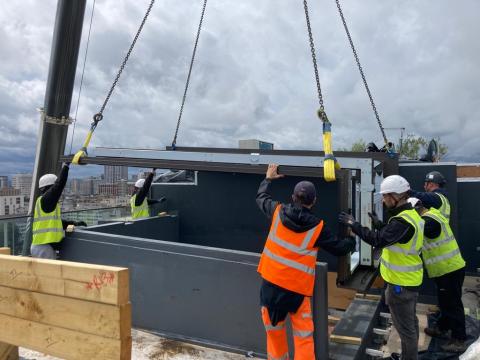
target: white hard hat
<point>394,184</point>
<point>139,183</point>
<point>46,180</point>
<point>413,201</point>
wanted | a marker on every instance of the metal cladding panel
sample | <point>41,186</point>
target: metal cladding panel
<point>183,295</point>
<point>220,211</point>
<point>469,223</point>
<point>164,228</point>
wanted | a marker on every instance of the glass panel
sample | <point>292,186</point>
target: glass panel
<point>12,229</point>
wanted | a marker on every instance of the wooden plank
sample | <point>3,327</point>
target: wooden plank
<point>379,283</point>
<point>5,251</point>
<point>338,298</point>
<point>105,284</point>
<point>346,339</point>
<point>60,342</point>
<point>368,296</point>
<point>333,319</point>
<point>472,170</point>
<point>8,352</point>
<point>79,315</point>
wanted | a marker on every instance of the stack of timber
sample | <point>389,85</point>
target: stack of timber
<point>64,309</point>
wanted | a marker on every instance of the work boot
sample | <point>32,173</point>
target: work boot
<point>455,346</point>
<point>436,332</point>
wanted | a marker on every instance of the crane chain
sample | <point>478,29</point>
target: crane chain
<point>99,116</point>
<point>184,98</point>
<point>382,129</point>
<point>321,111</point>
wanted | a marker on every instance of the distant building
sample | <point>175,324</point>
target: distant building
<point>108,189</point>
<point>22,182</point>
<point>255,144</point>
<point>114,174</point>
<point>3,182</point>
<point>12,202</point>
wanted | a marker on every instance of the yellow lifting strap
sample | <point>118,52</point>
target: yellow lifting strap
<point>83,151</point>
<point>330,163</point>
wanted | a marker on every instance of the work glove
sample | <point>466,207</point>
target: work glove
<point>346,219</point>
<point>376,222</point>
<point>80,223</point>
<point>162,199</point>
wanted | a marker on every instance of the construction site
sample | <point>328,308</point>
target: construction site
<point>183,281</point>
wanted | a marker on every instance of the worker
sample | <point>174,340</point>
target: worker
<point>48,226</point>
<point>400,265</point>
<point>139,202</point>
<point>287,265</point>
<point>435,194</point>
<point>445,264</point>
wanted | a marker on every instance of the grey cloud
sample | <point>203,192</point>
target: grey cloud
<point>253,75</point>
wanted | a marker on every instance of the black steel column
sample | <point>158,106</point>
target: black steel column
<point>58,96</point>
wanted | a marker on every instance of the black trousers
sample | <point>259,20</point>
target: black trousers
<point>452,314</point>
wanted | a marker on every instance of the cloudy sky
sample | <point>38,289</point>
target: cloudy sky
<point>253,76</point>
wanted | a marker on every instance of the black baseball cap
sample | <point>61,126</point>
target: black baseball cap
<point>305,192</point>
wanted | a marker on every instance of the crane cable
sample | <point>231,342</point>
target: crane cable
<point>330,163</point>
<point>83,73</point>
<point>187,83</point>
<point>382,129</point>
<point>99,116</point>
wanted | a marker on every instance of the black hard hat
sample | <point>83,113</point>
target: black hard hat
<point>435,177</point>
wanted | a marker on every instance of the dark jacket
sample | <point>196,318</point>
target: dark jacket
<point>397,230</point>
<point>278,300</point>
<point>432,229</point>
<point>143,192</point>
<point>429,199</point>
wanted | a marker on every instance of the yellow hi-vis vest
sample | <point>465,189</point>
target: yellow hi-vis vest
<point>401,264</point>
<point>141,211</point>
<point>47,227</point>
<point>445,207</point>
<point>441,255</point>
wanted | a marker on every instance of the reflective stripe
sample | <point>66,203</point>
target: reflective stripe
<point>400,250</point>
<point>419,228</point>
<point>288,262</point>
<point>271,327</point>
<point>433,245</point>
<point>308,237</point>
<point>445,207</point>
<point>297,250</point>
<point>42,231</point>
<point>412,250</point>
<point>401,268</point>
<point>292,247</point>
<point>442,257</point>
<point>283,357</point>
<point>45,218</point>
<point>306,315</point>
<point>302,334</point>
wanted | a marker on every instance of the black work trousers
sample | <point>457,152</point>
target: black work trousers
<point>452,314</point>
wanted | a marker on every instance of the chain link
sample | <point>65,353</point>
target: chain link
<point>361,72</point>
<point>174,141</point>
<point>321,112</point>
<point>99,116</point>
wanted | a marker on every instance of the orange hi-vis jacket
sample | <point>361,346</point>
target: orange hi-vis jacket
<point>288,259</point>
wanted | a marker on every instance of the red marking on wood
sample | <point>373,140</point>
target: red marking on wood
<point>100,280</point>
